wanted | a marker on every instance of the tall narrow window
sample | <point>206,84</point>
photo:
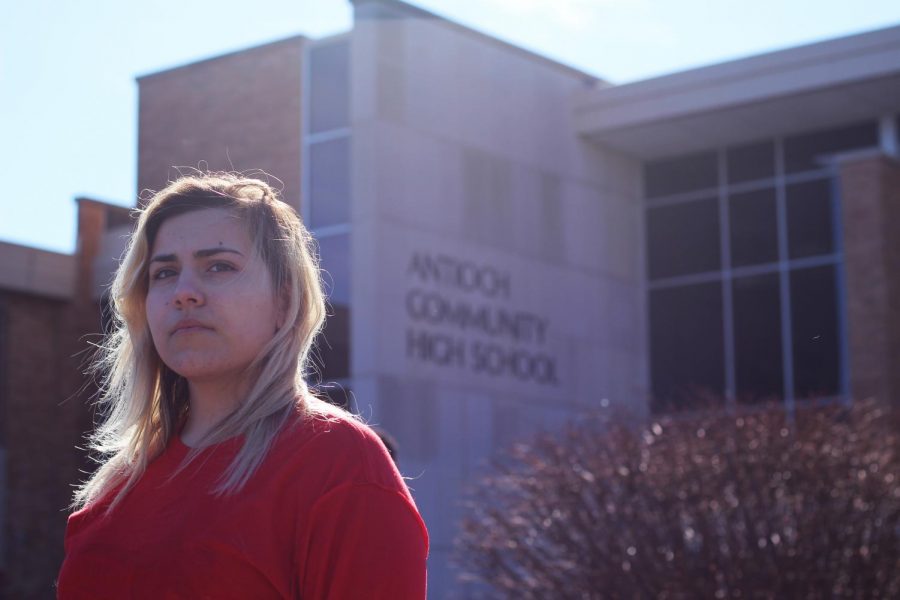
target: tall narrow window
<point>334,253</point>
<point>327,197</point>
<point>331,356</point>
<point>686,345</point>
<point>329,102</point>
<point>810,219</point>
<point>329,182</point>
<point>757,338</point>
<point>815,332</point>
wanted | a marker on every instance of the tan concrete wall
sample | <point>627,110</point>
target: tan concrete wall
<point>464,154</point>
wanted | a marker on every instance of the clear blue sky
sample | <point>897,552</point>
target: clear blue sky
<point>68,99</point>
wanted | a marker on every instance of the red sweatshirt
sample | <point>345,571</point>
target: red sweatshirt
<point>327,515</point>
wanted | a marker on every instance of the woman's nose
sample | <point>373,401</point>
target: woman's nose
<point>188,292</point>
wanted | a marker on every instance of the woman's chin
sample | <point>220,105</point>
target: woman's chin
<point>197,369</point>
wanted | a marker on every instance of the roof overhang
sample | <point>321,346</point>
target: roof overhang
<point>803,88</point>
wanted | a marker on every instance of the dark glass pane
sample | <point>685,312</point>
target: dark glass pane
<point>329,83</point>
<point>809,218</point>
<point>683,174</point>
<point>331,355</point>
<point>686,354</point>
<point>803,152</point>
<point>753,161</point>
<point>754,227</point>
<point>757,338</point>
<point>334,260</point>
<point>815,332</point>
<point>329,179</point>
<point>683,238</point>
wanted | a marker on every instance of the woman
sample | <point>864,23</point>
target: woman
<point>222,476</point>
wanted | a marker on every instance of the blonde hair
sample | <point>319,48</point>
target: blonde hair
<point>143,401</point>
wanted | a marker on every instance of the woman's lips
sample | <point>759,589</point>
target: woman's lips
<point>189,326</point>
<point>190,330</point>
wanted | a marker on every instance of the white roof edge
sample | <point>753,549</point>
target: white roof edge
<point>795,70</point>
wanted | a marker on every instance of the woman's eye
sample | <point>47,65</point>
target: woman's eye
<point>163,274</point>
<point>221,267</point>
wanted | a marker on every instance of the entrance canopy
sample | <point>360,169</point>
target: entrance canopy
<point>803,88</point>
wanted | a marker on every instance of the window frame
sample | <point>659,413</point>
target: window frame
<point>783,266</point>
<point>309,139</point>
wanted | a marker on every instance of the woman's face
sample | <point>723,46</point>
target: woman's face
<point>210,304</point>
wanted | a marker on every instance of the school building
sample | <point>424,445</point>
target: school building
<point>510,241</point>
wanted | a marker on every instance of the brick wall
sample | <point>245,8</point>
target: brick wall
<point>44,350</point>
<point>870,198</point>
<point>42,426</point>
<point>239,112</point>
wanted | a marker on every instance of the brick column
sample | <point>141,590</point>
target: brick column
<point>870,198</point>
<point>84,316</point>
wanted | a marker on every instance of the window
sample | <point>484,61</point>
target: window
<point>333,345</point>
<point>331,355</point>
<point>329,183</point>
<point>683,238</point>
<point>326,150</point>
<point>334,260</point>
<point>742,277</point>
<point>757,338</point>
<point>750,162</point>
<point>815,332</point>
<point>327,196</point>
<point>754,228</point>
<point>809,215</point>
<point>683,174</point>
<point>329,101</point>
<point>686,357</point>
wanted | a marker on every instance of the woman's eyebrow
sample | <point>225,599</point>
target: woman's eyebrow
<point>214,251</point>
<point>207,252</point>
<point>164,258</point>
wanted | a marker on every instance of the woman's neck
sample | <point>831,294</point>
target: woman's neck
<point>210,403</point>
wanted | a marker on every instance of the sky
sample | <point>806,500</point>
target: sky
<point>68,96</point>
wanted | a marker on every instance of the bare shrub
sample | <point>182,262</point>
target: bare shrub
<point>700,506</point>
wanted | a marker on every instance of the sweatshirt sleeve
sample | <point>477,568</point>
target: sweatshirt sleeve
<point>365,541</point>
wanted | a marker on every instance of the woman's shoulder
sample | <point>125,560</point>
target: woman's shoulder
<point>330,426</point>
<point>332,439</point>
